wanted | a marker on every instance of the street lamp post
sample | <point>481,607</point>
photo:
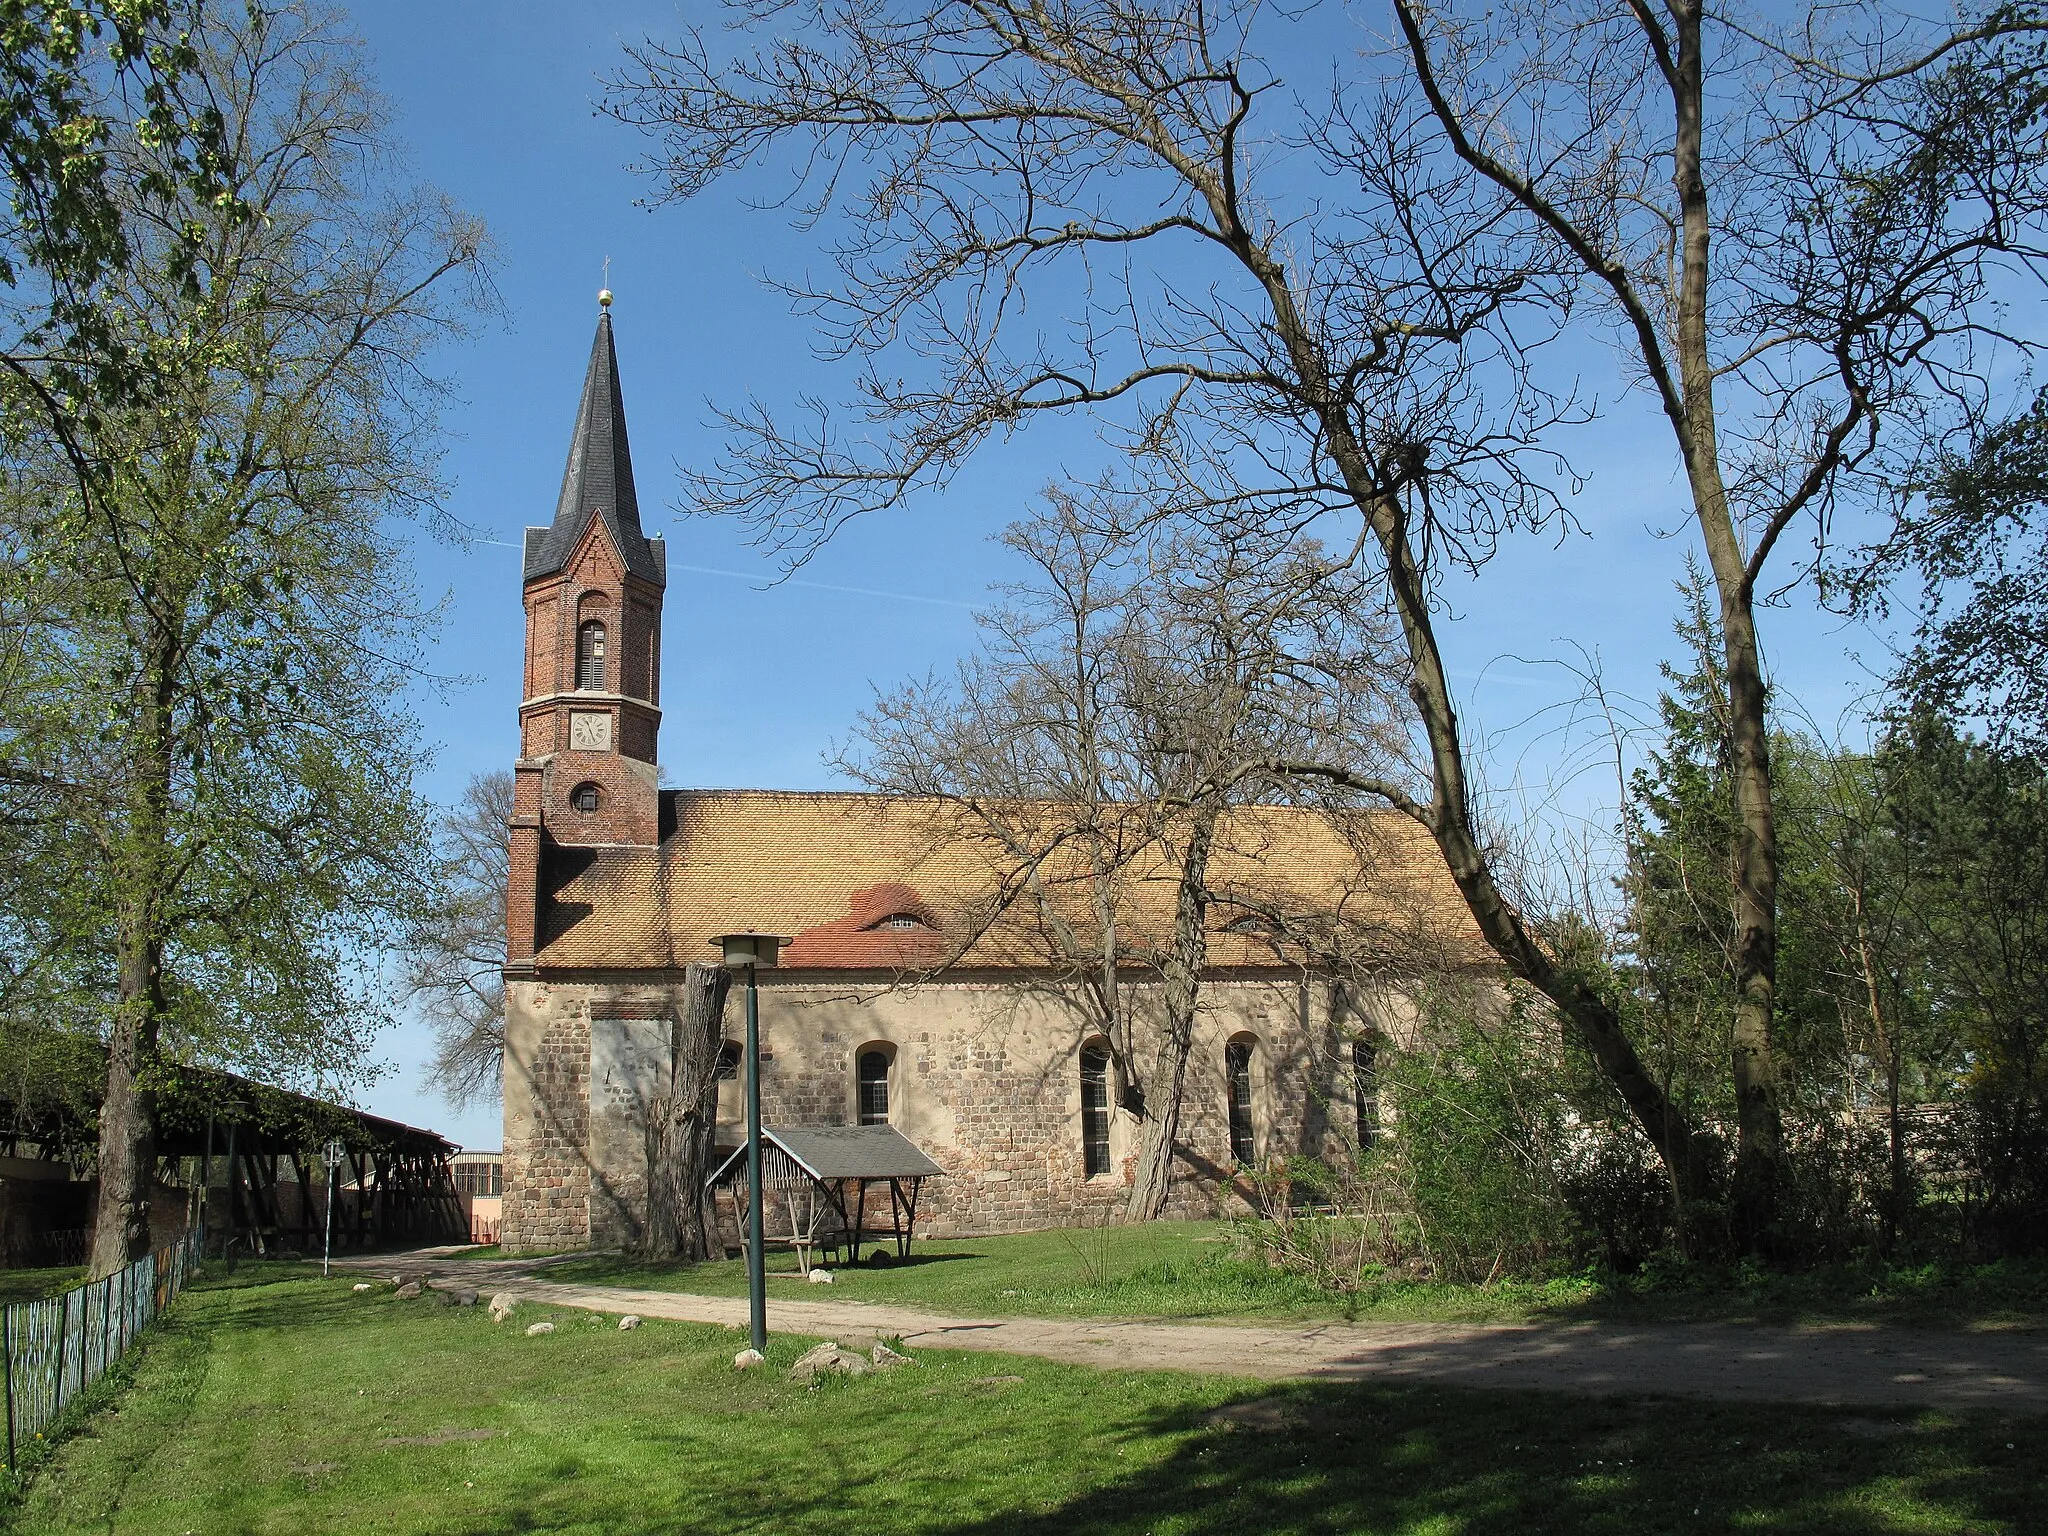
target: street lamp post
<point>334,1151</point>
<point>749,952</point>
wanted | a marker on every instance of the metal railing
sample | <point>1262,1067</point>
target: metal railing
<point>54,1349</point>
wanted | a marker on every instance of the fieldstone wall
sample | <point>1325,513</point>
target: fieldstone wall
<point>985,1078</point>
<point>547,1117</point>
<point>987,1086</point>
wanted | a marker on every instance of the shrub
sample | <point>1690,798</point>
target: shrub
<point>1480,1123</point>
<point>1337,1226</point>
<point>1618,1194</point>
<point>1994,1149</point>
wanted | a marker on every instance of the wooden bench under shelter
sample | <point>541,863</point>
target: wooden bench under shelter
<point>819,1177</point>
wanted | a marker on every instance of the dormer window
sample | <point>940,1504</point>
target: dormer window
<point>1252,925</point>
<point>590,656</point>
<point>902,921</point>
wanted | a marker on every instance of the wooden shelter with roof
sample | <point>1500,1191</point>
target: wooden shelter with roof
<point>918,991</point>
<point>817,1180</point>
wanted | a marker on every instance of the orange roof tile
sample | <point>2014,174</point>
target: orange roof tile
<point>832,869</point>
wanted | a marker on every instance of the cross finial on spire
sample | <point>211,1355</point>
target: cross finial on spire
<point>604,294</point>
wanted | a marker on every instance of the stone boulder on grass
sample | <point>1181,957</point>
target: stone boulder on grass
<point>828,1359</point>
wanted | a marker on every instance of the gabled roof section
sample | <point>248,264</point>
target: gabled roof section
<point>599,479</point>
<point>833,869</point>
<point>826,1152</point>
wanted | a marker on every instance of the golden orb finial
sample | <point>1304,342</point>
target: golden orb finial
<point>604,298</point>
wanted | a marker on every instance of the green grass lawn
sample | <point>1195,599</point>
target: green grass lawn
<point>35,1284</point>
<point>1184,1269</point>
<point>274,1404</point>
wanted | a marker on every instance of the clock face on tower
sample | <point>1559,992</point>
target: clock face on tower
<point>590,732</point>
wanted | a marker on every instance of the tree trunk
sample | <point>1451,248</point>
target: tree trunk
<point>127,1128</point>
<point>1890,1042</point>
<point>1688,402</point>
<point>1182,974</point>
<point>1895,1127</point>
<point>681,1124</point>
<point>1448,815</point>
<point>1448,818</point>
<point>1759,1152</point>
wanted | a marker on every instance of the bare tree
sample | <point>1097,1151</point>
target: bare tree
<point>1793,227</point>
<point>455,958</point>
<point>1282,309</point>
<point>682,1124</point>
<point>1338,303</point>
<point>1142,685</point>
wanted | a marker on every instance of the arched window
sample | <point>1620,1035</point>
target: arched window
<point>1094,1110</point>
<point>1365,1085</point>
<point>873,1072</point>
<point>1237,1072</point>
<point>590,656</point>
<point>586,797</point>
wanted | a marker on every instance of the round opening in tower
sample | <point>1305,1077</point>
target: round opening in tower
<point>586,797</point>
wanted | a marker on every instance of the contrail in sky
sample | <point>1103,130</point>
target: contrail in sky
<point>795,581</point>
<point>826,586</point>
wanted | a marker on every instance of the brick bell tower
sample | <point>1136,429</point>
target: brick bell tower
<point>589,715</point>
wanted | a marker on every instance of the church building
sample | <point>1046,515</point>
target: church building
<point>897,1000</point>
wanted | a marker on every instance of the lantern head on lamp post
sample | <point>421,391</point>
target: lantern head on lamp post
<point>745,951</point>
<point>749,952</point>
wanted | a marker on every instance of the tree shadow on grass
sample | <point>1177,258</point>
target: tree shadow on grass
<point>2007,1292</point>
<point>1330,1458</point>
<point>1327,1458</point>
<point>885,1263</point>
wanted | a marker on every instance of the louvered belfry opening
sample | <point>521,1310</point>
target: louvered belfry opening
<point>590,656</point>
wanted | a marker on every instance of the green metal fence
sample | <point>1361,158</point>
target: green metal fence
<point>55,1349</point>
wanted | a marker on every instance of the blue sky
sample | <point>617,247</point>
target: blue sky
<point>495,103</point>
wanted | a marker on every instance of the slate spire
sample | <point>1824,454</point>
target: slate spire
<point>599,479</point>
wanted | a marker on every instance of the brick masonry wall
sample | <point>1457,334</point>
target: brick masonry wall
<point>594,586</point>
<point>543,638</point>
<point>640,647</point>
<point>986,1080</point>
<point>629,799</point>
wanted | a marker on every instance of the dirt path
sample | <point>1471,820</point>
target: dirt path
<point>1850,1366</point>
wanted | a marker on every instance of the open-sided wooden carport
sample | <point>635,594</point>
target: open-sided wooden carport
<point>250,1159</point>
